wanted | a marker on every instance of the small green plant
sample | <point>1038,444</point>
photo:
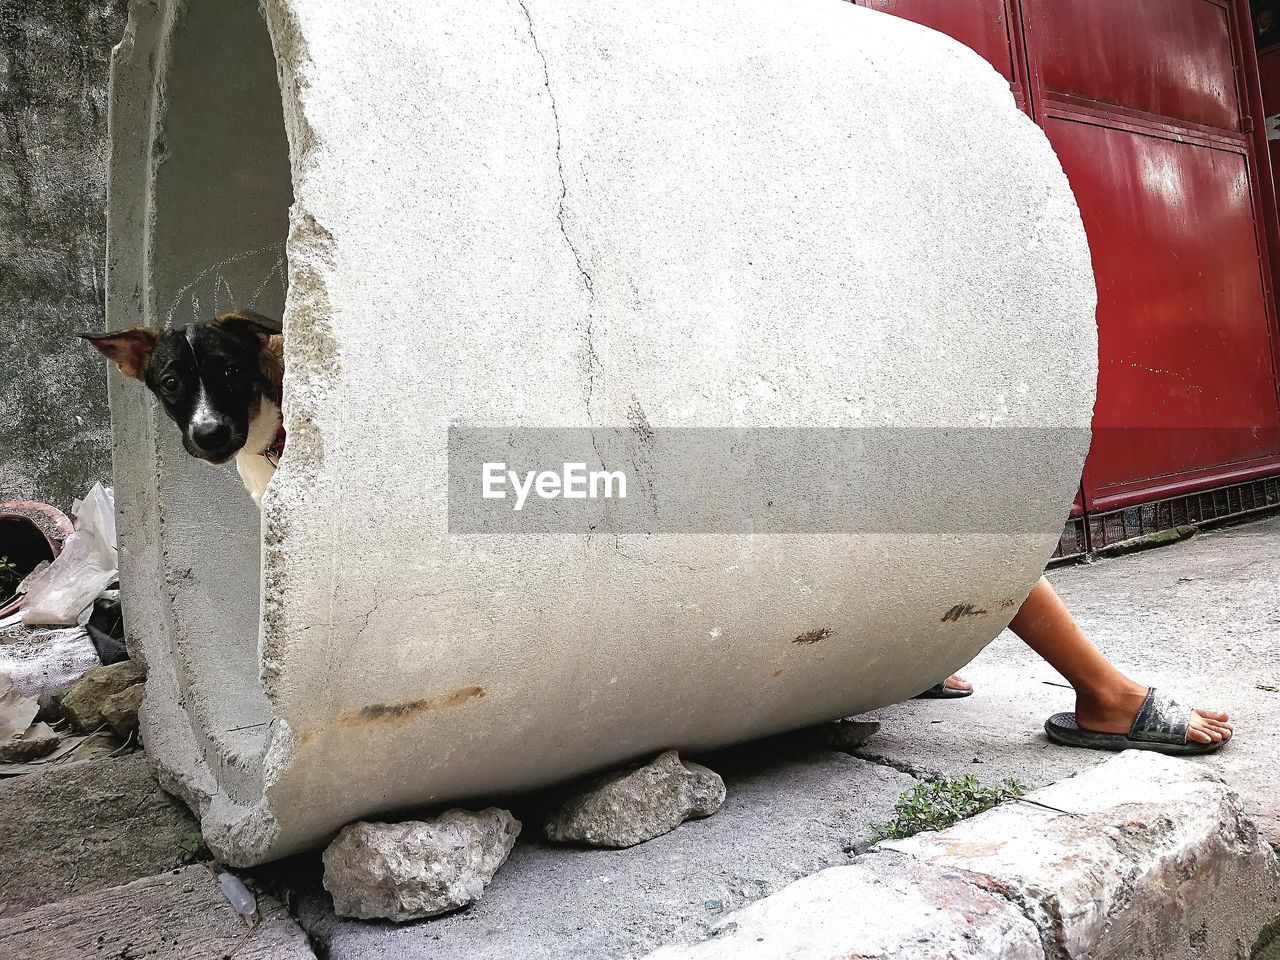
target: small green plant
<point>191,848</point>
<point>9,578</point>
<point>937,804</point>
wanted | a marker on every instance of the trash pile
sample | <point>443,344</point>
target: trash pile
<point>68,690</point>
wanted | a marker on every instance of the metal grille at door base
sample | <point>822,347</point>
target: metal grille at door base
<point>1108,529</point>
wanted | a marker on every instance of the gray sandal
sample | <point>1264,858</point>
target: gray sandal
<point>1161,725</point>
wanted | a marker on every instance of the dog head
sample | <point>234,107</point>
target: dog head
<point>209,377</point>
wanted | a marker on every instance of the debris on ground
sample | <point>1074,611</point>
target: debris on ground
<point>106,628</point>
<point>17,712</point>
<point>86,701</point>
<point>70,751</point>
<point>33,743</point>
<point>41,662</point>
<point>415,869</point>
<point>64,592</point>
<point>66,572</point>
<point>631,806</point>
<point>242,901</point>
<point>21,737</point>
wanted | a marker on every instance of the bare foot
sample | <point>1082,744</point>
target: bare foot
<point>957,682</point>
<point>1113,711</point>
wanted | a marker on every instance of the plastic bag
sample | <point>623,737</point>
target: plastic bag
<point>63,595</point>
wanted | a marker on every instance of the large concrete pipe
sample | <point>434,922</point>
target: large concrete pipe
<point>766,215</point>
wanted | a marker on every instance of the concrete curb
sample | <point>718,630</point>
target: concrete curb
<point>1141,857</point>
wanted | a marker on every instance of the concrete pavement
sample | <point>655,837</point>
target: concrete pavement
<point>1199,619</point>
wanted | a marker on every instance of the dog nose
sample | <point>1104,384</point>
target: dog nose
<point>211,434</point>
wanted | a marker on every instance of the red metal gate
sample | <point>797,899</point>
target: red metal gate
<point>1150,105</point>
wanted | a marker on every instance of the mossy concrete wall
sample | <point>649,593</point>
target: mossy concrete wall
<point>54,424</point>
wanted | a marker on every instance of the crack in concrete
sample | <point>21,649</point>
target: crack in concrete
<point>588,283</point>
<point>902,766</point>
<point>588,335</point>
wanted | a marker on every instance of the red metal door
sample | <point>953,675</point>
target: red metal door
<point>1139,97</point>
<point>1149,105</point>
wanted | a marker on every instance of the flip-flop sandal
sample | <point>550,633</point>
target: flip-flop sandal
<point>940,691</point>
<point>1161,725</point>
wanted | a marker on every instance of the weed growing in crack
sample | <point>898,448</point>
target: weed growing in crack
<point>937,804</point>
<point>191,848</point>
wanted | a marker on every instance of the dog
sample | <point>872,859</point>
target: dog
<point>220,381</point>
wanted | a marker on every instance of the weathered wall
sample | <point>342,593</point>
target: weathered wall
<point>54,424</point>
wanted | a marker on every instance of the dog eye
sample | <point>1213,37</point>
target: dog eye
<point>169,382</point>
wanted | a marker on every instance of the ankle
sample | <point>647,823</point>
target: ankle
<point>1115,693</point>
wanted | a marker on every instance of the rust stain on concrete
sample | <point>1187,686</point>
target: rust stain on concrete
<point>398,713</point>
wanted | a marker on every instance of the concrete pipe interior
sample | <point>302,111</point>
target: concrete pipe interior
<point>220,200</point>
<point>641,216</point>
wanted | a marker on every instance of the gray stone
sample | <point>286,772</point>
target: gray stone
<point>791,810</point>
<point>120,710</point>
<point>178,915</point>
<point>38,740</point>
<point>86,700</point>
<point>415,869</point>
<point>844,734</point>
<point>883,907</point>
<point>100,824</point>
<point>635,805</point>
<point>53,73</point>
<point>1144,857</point>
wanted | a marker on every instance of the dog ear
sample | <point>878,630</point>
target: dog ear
<point>264,328</point>
<point>130,350</point>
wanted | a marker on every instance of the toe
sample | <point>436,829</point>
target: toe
<point>1213,715</point>
<point>1204,729</point>
<point>1223,731</point>
<point>957,682</point>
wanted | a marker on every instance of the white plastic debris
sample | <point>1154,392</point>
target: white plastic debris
<point>40,662</point>
<point>63,595</point>
<point>237,894</point>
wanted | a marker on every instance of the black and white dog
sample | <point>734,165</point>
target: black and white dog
<point>219,381</point>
